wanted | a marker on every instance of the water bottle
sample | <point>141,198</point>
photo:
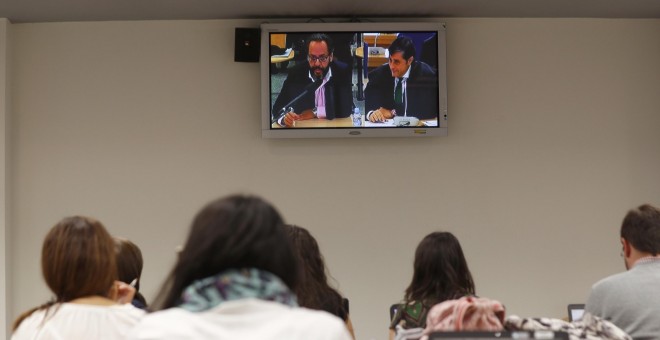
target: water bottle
<point>357,117</point>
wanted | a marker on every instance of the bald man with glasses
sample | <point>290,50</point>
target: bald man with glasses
<point>327,83</point>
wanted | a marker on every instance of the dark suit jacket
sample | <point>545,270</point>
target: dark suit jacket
<point>338,91</point>
<point>422,88</point>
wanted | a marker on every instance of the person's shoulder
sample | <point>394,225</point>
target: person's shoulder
<point>165,324</point>
<point>610,282</point>
<point>168,314</point>
<point>300,70</point>
<point>380,73</point>
<point>326,325</point>
<point>341,69</point>
<point>29,325</point>
<point>310,314</point>
<point>423,69</point>
<point>382,69</point>
<point>128,311</point>
<point>339,64</point>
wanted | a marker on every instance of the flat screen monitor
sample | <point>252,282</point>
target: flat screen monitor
<point>325,80</point>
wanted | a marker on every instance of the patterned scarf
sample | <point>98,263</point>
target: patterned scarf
<point>235,284</point>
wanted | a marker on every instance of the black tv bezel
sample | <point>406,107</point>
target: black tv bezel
<point>349,132</point>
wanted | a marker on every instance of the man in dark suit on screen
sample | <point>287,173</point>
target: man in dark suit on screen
<point>326,84</point>
<point>402,87</point>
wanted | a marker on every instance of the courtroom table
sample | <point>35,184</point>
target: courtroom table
<point>337,122</point>
<point>281,58</point>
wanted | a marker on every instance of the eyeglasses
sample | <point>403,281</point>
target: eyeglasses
<point>314,59</point>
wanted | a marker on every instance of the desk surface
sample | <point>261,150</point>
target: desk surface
<point>338,122</point>
<point>317,123</point>
<point>380,39</point>
<point>280,58</point>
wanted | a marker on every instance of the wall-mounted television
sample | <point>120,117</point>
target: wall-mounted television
<point>325,80</point>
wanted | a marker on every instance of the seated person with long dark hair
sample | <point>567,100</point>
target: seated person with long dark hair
<point>129,268</point>
<point>315,293</point>
<point>234,279</point>
<point>78,264</point>
<point>440,273</point>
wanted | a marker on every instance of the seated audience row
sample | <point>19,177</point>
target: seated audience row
<point>236,278</point>
<point>78,262</point>
<point>622,306</point>
<point>244,274</point>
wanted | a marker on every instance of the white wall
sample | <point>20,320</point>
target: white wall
<point>4,109</point>
<point>552,137</point>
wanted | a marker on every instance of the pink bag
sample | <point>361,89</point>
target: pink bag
<point>465,314</point>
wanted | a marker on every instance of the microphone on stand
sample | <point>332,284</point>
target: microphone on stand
<point>310,87</point>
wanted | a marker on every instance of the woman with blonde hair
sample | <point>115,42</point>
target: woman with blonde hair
<point>79,266</point>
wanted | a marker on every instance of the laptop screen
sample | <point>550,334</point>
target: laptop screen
<point>575,312</point>
<point>550,335</point>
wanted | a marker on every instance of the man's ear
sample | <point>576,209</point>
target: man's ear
<point>410,60</point>
<point>627,247</point>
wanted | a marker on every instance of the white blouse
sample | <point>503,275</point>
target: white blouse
<point>245,319</point>
<point>79,321</point>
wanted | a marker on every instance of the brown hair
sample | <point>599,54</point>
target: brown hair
<point>129,264</point>
<point>232,232</point>
<point>641,227</point>
<point>315,293</point>
<point>77,260</point>
<point>440,271</point>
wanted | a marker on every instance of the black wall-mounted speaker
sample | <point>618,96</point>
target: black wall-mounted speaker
<point>246,48</point>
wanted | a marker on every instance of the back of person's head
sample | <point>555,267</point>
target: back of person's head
<point>641,227</point>
<point>233,232</point>
<point>440,270</point>
<point>77,260</point>
<point>402,44</point>
<point>315,293</point>
<point>129,264</point>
